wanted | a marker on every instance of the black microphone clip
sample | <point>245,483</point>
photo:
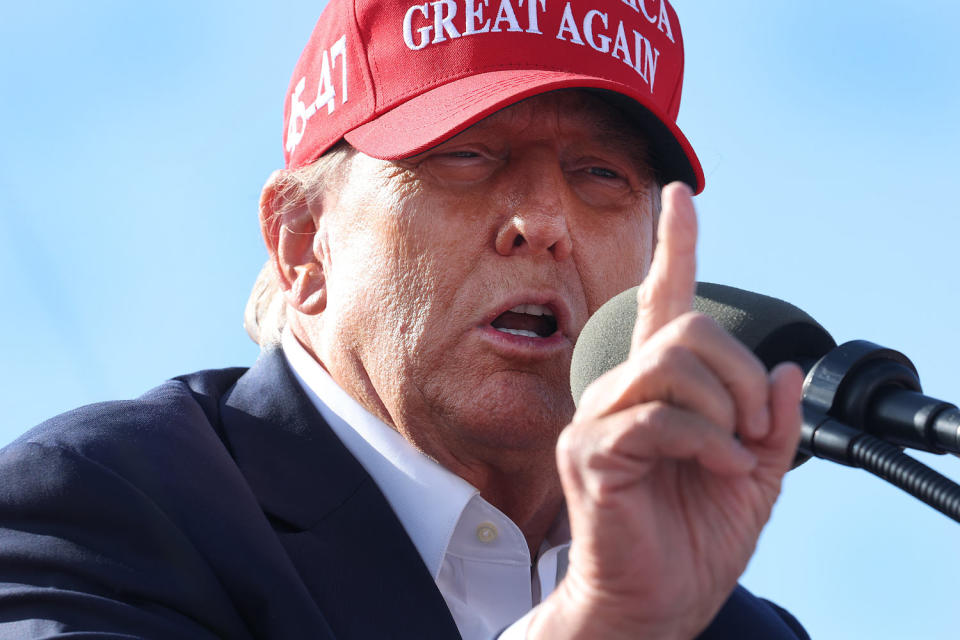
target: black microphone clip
<point>877,390</point>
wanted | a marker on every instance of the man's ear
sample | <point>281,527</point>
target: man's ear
<point>289,225</point>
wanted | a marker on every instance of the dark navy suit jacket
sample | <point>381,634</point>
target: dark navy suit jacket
<point>220,505</point>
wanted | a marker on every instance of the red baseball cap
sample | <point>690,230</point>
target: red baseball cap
<point>397,77</point>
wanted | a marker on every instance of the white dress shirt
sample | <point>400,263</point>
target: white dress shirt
<point>477,555</point>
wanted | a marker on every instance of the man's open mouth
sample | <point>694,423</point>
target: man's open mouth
<point>529,320</point>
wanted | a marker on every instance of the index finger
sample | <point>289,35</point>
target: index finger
<point>667,291</point>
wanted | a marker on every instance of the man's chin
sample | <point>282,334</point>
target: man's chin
<point>517,418</point>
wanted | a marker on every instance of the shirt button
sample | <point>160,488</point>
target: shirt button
<point>487,532</point>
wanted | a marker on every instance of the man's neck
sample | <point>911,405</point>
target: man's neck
<point>522,483</point>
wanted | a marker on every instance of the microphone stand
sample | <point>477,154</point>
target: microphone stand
<point>860,387</point>
<point>826,438</point>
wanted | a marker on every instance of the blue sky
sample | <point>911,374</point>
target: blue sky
<point>136,136</point>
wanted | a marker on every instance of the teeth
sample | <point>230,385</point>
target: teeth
<point>532,310</point>
<point>520,332</point>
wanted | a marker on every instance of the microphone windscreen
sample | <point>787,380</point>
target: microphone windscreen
<point>604,341</point>
<point>775,330</point>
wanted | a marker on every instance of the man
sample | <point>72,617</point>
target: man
<point>466,183</point>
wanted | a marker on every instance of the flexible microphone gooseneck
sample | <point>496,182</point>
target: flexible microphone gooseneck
<point>850,390</point>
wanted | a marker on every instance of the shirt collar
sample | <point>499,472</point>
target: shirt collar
<point>427,498</point>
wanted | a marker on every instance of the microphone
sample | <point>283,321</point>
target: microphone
<point>776,331</point>
<point>859,384</point>
<point>848,390</point>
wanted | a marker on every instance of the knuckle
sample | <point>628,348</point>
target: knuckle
<point>601,394</point>
<point>566,446</point>
<point>752,378</point>
<point>568,452</point>
<point>646,294</point>
<point>590,397</point>
<point>696,324</point>
<point>674,359</point>
<point>572,442</point>
<point>759,369</point>
<point>655,416</point>
<point>584,449</point>
<point>727,413</point>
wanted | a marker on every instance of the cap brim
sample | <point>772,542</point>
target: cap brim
<point>426,120</point>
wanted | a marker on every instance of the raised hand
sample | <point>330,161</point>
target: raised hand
<point>671,465</point>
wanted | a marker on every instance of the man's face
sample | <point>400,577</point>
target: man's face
<point>458,280</point>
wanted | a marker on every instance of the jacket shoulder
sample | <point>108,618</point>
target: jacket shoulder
<point>187,402</point>
<point>111,516</point>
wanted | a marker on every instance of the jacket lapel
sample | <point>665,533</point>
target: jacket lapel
<point>347,544</point>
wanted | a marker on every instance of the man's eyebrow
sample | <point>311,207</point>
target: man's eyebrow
<point>613,130</point>
<point>624,137</point>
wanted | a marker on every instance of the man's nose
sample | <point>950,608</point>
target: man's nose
<point>538,216</point>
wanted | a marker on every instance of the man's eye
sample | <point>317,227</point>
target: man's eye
<point>462,154</point>
<point>602,172</point>
<point>460,166</point>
